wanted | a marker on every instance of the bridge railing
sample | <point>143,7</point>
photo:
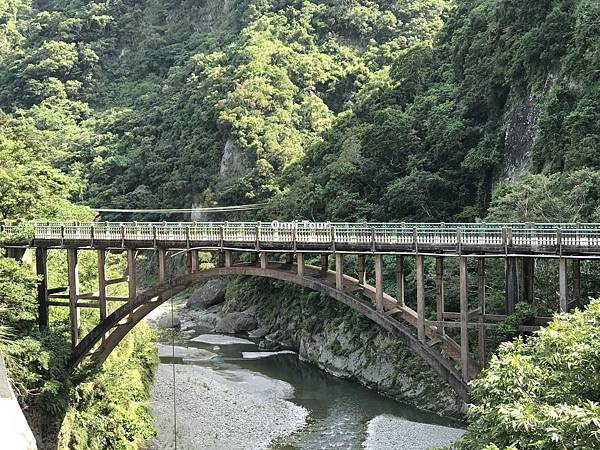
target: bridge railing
<point>384,235</point>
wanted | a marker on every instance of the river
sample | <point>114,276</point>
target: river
<point>230,396</point>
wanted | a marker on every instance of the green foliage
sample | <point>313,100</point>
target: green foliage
<point>509,327</point>
<point>541,393</point>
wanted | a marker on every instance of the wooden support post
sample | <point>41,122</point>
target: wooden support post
<point>73,276</point>
<point>528,277</point>
<point>228,258</point>
<point>102,283</point>
<point>339,271</point>
<point>379,282</point>
<point>131,283</point>
<point>362,279</point>
<point>439,289</point>
<point>254,258</point>
<point>420,298</point>
<point>576,282</point>
<point>188,262</point>
<point>300,263</point>
<point>264,260</point>
<point>464,318</point>
<point>289,258</point>
<point>400,280</point>
<point>162,269</point>
<point>562,282</point>
<point>512,285</point>
<point>324,262</point>
<point>194,256</point>
<point>221,258</point>
<point>41,266</point>
<point>481,306</point>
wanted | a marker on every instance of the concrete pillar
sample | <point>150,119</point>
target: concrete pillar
<point>379,282</point>
<point>464,318</point>
<point>228,258</point>
<point>528,278</point>
<point>162,269</point>
<point>194,263</point>
<point>420,298</point>
<point>131,281</point>
<point>562,284</point>
<point>481,306</point>
<point>325,262</point>
<point>101,253</point>
<point>361,270</point>
<point>339,271</point>
<point>73,277</point>
<point>41,258</point>
<point>439,289</point>
<point>512,285</point>
<point>263,260</point>
<point>400,280</point>
<point>576,282</point>
<point>300,263</point>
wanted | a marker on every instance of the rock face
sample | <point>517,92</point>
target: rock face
<point>166,321</point>
<point>341,342</point>
<point>210,294</point>
<point>236,322</point>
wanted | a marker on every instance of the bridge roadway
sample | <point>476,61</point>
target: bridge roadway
<point>281,250</point>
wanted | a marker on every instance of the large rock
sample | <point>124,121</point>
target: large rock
<point>211,293</point>
<point>166,321</point>
<point>236,322</point>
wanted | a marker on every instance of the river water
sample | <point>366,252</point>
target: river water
<point>322,411</point>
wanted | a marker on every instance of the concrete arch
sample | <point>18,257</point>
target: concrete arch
<point>101,341</point>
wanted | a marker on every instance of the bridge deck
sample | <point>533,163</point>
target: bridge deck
<point>460,238</point>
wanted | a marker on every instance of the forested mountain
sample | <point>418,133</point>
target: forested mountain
<point>344,110</point>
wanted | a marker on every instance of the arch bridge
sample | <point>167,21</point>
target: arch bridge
<point>280,250</point>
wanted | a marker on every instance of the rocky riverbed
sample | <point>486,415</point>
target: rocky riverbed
<point>236,392</point>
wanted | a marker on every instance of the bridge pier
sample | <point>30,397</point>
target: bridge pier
<point>362,279</point>
<point>264,262</point>
<point>576,269</point>
<point>379,283</point>
<point>399,280</point>
<point>562,285</point>
<point>101,253</point>
<point>464,317</point>
<point>512,284</point>
<point>439,291</point>
<point>325,262</point>
<point>300,263</point>
<point>481,307</point>
<point>41,268</point>
<point>420,298</point>
<point>528,270</point>
<point>160,261</point>
<point>228,258</point>
<point>339,271</point>
<point>131,280</point>
<point>74,311</point>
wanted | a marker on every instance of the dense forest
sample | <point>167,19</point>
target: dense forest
<point>346,110</point>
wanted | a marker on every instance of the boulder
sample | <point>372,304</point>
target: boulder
<point>165,321</point>
<point>211,293</point>
<point>236,322</point>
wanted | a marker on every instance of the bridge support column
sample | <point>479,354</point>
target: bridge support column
<point>41,266</point>
<point>439,290</point>
<point>379,282</point>
<point>512,284</point>
<point>162,269</point>
<point>528,277</point>
<point>464,318</point>
<point>131,282</point>
<point>289,258</point>
<point>254,258</point>
<point>263,260</point>
<point>228,258</point>
<point>481,305</point>
<point>102,283</point>
<point>576,282</point>
<point>420,298</point>
<point>400,280</point>
<point>73,277</point>
<point>562,284</point>
<point>362,279</point>
<point>339,271</point>
<point>325,262</point>
<point>194,261</point>
<point>300,263</point>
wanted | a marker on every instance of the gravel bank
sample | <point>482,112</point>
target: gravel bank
<point>221,409</point>
<point>388,432</point>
